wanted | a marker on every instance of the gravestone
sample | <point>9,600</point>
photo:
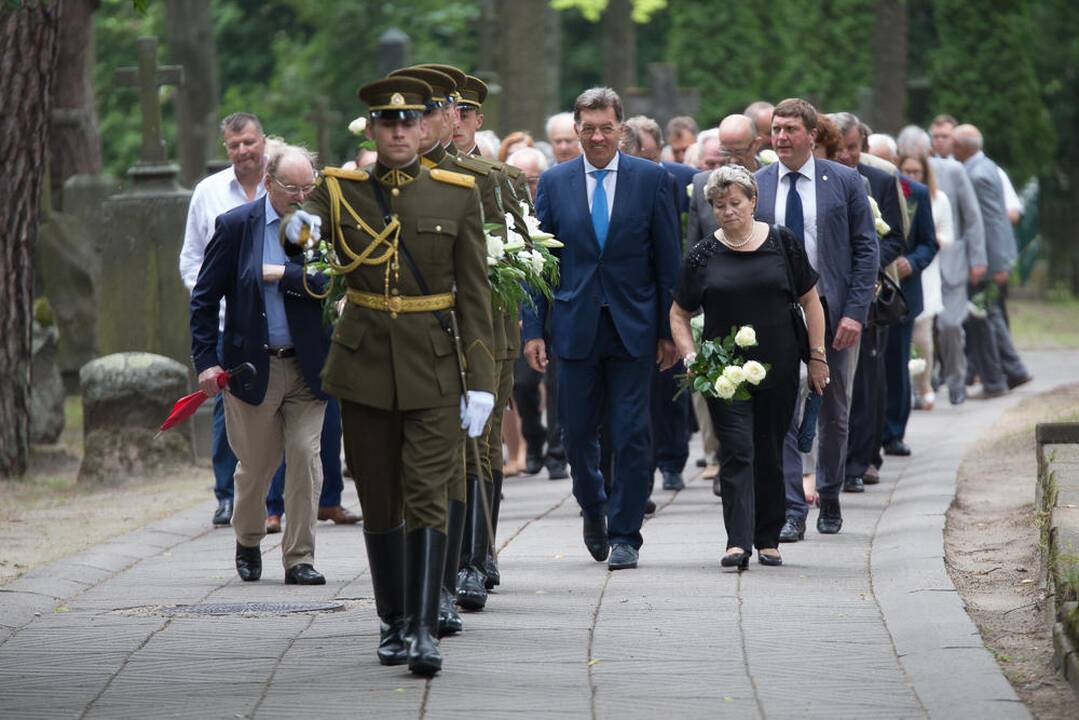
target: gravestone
<point>46,385</point>
<point>663,100</point>
<point>142,302</point>
<point>125,398</point>
<point>323,118</point>
<point>392,52</point>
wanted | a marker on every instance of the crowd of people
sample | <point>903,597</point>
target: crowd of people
<point>870,271</point>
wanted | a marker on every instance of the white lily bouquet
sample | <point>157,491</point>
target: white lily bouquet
<point>718,368</point>
<point>321,257</point>
<point>520,262</point>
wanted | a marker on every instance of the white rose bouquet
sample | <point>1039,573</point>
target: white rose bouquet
<point>719,370</point>
<point>522,260</point>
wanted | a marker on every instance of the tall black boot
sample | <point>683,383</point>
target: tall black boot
<point>426,553</point>
<point>471,580</point>
<point>449,620</point>
<point>490,568</point>
<point>386,558</point>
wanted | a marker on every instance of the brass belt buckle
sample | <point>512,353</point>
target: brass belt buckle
<point>395,303</point>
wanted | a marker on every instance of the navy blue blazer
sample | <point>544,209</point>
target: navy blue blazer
<point>683,178</point>
<point>636,270</point>
<point>847,249</point>
<point>232,268</point>
<point>884,190</point>
<point>921,246</point>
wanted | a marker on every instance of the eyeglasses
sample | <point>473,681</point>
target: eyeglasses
<point>590,130</point>
<point>295,189</point>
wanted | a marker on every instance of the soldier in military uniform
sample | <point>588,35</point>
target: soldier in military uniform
<point>411,242</point>
<point>498,198</point>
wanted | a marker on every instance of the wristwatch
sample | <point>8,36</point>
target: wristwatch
<point>818,350</point>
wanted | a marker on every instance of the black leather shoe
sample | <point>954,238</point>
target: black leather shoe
<point>492,576</point>
<point>623,557</point>
<point>769,560</point>
<point>896,447</point>
<point>649,507</point>
<point>1013,384</point>
<point>471,581</point>
<point>595,537</point>
<point>386,559</point>
<point>304,574</point>
<point>248,562</point>
<point>793,531</point>
<point>854,485</point>
<point>957,397</point>
<point>830,519</point>
<point>533,464</point>
<point>223,514</point>
<point>449,620</point>
<point>673,481</point>
<point>556,470</point>
<point>739,560</point>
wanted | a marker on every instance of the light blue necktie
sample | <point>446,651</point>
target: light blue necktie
<point>600,220</point>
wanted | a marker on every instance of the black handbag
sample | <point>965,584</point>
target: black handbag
<point>890,305</point>
<point>798,315</point>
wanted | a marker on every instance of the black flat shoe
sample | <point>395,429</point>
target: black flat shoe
<point>793,531</point>
<point>533,464</point>
<point>595,537</point>
<point>739,560</point>
<point>830,519</point>
<point>769,560</point>
<point>248,562</point>
<point>223,514</point>
<point>623,557</point>
<point>854,485</point>
<point>897,447</point>
<point>303,574</point>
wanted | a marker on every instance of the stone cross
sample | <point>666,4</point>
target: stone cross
<point>148,77</point>
<point>323,119</point>
<point>665,99</point>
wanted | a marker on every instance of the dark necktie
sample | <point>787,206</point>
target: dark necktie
<point>795,220</point>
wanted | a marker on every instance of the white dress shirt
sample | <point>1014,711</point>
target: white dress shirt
<point>213,196</point>
<point>609,182</point>
<point>807,188</point>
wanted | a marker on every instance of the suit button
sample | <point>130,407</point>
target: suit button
<point>438,228</point>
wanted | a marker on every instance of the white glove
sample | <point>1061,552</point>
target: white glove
<point>297,221</point>
<point>476,407</point>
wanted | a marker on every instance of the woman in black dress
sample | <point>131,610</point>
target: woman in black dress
<point>738,277</point>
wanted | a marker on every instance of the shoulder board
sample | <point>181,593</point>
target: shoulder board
<point>453,178</point>
<point>345,174</point>
<point>512,170</point>
<point>472,166</point>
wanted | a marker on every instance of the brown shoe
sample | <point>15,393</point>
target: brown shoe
<point>338,514</point>
<point>273,524</point>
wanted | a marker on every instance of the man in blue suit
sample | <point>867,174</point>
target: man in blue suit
<point>273,322</point>
<point>919,251</point>
<point>609,320</point>
<point>825,205</point>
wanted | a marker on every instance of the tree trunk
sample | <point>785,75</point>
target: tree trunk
<point>889,66</point>
<point>28,49</point>
<point>74,142</point>
<point>527,65</point>
<point>619,46</point>
<point>191,44</point>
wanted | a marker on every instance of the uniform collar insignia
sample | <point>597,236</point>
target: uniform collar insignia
<point>397,177</point>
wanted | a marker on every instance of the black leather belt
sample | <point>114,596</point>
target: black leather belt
<point>281,352</point>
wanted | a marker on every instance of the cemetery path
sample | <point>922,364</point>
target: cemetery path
<point>863,624</point>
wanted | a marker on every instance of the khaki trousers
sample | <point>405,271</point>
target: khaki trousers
<point>704,422</point>
<point>289,420</point>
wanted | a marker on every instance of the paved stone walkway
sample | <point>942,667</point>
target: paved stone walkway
<point>861,625</point>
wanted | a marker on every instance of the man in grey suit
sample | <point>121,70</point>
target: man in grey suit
<point>961,262</point>
<point>990,343</point>
<point>830,212</point>
<point>738,143</point>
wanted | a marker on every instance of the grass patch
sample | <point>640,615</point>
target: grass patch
<point>1044,324</point>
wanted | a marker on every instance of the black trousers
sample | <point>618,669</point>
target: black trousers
<point>869,401</point>
<point>526,399</point>
<point>750,434</point>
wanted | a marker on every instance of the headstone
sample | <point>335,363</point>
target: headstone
<point>392,52</point>
<point>46,386</point>
<point>65,269</point>
<point>664,99</point>
<point>125,398</point>
<point>323,119</point>
<point>142,302</point>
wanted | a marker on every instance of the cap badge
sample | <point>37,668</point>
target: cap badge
<point>397,99</point>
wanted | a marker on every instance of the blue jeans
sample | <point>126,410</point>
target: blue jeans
<point>332,482</point>
<point>223,459</point>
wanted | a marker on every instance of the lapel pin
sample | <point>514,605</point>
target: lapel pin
<point>824,178</point>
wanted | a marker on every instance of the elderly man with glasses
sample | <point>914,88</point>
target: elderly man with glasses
<point>273,321</point>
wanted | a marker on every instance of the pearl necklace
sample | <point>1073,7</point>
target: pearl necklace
<point>742,243</point>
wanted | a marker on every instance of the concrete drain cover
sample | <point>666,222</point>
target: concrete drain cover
<point>251,608</point>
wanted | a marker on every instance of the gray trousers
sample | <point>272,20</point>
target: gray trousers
<point>832,431</point>
<point>992,352</point>
<point>952,338</point>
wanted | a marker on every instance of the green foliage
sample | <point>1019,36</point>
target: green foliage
<point>592,10</point>
<point>983,72</point>
<point>735,53</point>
